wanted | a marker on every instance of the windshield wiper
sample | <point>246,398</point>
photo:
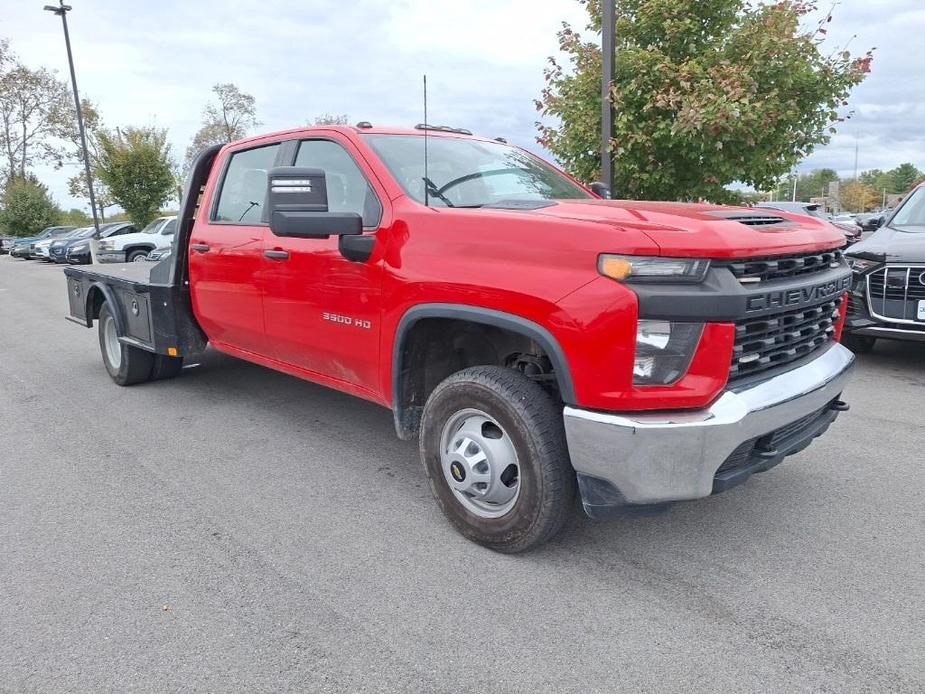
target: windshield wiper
<point>435,191</point>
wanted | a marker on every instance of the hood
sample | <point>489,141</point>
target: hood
<point>892,245</point>
<point>697,230</point>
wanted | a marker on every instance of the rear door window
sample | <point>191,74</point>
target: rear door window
<point>242,197</point>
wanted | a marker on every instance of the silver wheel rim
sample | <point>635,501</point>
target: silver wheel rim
<point>480,463</point>
<point>140,258</point>
<point>111,342</point>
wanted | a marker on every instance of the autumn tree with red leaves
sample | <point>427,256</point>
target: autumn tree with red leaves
<point>706,93</point>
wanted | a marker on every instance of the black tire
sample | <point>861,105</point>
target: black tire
<point>859,344</point>
<point>165,367</point>
<point>136,254</point>
<point>134,365</point>
<point>534,424</point>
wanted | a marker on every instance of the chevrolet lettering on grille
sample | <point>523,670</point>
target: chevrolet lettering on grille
<point>800,296</point>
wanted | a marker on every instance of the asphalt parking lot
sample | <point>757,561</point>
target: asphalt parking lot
<point>236,529</point>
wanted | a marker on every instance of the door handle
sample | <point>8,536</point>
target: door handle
<point>277,255</point>
<point>200,247</point>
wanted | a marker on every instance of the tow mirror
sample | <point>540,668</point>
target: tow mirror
<point>600,190</point>
<point>297,205</point>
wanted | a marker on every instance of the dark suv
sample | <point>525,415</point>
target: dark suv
<point>887,298</point>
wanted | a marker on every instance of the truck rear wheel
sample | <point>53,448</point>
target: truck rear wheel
<point>165,367</point>
<point>493,447</point>
<point>126,365</point>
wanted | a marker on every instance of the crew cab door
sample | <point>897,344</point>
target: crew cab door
<point>323,311</point>
<point>226,252</point>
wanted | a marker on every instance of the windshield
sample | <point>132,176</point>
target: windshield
<point>911,216</point>
<point>153,226</point>
<point>463,172</point>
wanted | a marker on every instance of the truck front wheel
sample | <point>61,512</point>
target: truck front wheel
<point>493,447</point>
<point>126,365</point>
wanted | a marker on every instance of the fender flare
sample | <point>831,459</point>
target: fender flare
<point>485,316</point>
<point>108,297</point>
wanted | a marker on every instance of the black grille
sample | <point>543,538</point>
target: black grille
<point>895,291</point>
<point>771,341</point>
<point>774,268</point>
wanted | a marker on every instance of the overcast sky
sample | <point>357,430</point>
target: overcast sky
<point>154,61</point>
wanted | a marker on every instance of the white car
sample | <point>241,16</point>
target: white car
<point>134,248</point>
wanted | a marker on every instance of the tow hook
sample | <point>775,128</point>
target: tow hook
<point>840,406</point>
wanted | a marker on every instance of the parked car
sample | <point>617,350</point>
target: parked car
<point>887,298</point>
<point>78,253</point>
<point>6,244</point>
<point>873,220</point>
<point>539,340</point>
<point>851,230</point>
<point>134,247</point>
<point>23,247</point>
<point>159,254</point>
<point>75,248</point>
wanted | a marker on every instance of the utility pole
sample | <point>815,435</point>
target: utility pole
<point>794,199</point>
<point>608,52</point>
<point>61,10</point>
<point>857,147</point>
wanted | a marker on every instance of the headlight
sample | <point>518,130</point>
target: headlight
<point>105,245</point>
<point>664,351</point>
<point>636,268</point>
<point>861,265</point>
<point>80,247</point>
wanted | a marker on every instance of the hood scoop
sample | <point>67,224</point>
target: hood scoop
<point>752,220</point>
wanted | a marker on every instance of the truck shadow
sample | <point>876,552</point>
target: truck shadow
<point>769,509</point>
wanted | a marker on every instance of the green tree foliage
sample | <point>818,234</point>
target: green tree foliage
<point>33,112</point>
<point>706,93</point>
<point>898,180</point>
<point>135,165</point>
<point>814,184</point>
<point>76,218</point>
<point>904,177</point>
<point>230,119</point>
<point>26,207</point>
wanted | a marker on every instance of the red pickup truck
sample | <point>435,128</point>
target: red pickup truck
<point>540,341</point>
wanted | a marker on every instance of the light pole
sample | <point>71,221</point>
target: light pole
<point>608,52</point>
<point>61,10</point>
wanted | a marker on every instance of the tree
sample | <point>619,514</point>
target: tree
<point>857,196</point>
<point>904,177</point>
<point>33,106</point>
<point>330,119</point>
<point>77,184</point>
<point>706,94</point>
<point>228,120</point>
<point>26,207</point>
<point>878,180</point>
<point>815,184</point>
<point>76,218</point>
<point>135,165</point>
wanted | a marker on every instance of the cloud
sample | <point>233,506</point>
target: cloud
<point>155,62</point>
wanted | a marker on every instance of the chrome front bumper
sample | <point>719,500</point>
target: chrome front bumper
<point>657,457</point>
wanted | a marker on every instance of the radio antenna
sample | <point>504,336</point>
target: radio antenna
<point>426,176</point>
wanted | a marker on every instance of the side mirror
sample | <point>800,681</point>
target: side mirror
<point>297,206</point>
<point>879,222</point>
<point>600,190</point>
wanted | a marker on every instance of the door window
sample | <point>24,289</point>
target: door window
<point>348,190</point>
<point>242,197</point>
